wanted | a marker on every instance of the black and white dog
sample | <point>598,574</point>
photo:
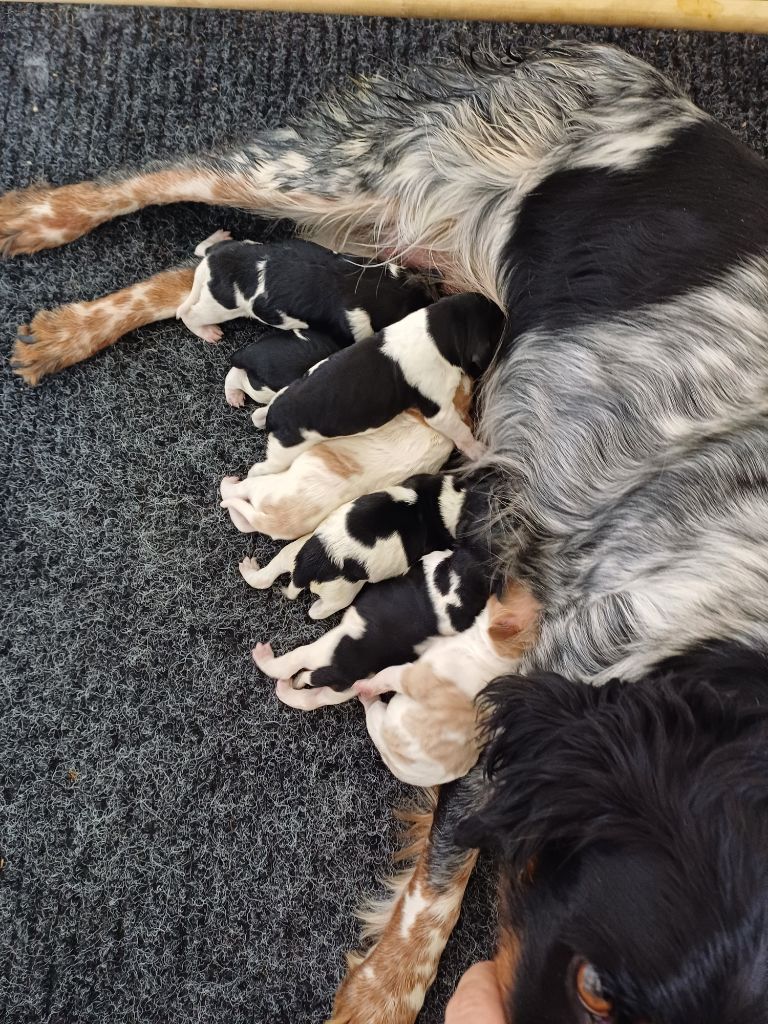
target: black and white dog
<point>370,539</point>
<point>263,367</point>
<point>420,363</point>
<point>295,285</point>
<point>625,235</point>
<point>441,594</point>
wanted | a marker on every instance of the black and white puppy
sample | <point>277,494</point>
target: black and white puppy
<point>297,284</point>
<point>273,361</point>
<point>441,594</point>
<point>370,539</point>
<point>419,363</point>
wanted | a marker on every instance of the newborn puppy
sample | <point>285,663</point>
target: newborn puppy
<point>427,733</point>
<point>440,595</point>
<point>370,539</point>
<point>418,363</point>
<point>297,284</point>
<point>272,362</point>
<point>292,504</point>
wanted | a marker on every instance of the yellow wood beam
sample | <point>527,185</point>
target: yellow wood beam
<point>709,15</point>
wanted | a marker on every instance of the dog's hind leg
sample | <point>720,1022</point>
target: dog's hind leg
<point>307,657</point>
<point>284,560</point>
<point>333,596</point>
<point>282,174</point>
<point>237,386</point>
<point>386,983</point>
<point>432,169</point>
<point>60,337</point>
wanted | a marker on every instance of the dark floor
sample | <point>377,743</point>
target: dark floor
<point>178,846</point>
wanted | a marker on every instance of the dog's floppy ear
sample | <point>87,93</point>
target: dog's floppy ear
<point>536,762</point>
<point>570,765</point>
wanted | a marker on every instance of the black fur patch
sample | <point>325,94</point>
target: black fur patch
<point>278,358</point>
<point>312,284</point>
<point>399,616</point>
<point>637,813</point>
<point>593,242</point>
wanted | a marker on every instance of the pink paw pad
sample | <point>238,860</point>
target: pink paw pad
<point>261,652</point>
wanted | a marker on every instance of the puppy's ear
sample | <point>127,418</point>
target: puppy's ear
<point>513,620</point>
<point>482,349</point>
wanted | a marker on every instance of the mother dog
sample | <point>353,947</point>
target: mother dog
<point>626,236</point>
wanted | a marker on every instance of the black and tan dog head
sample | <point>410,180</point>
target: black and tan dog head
<point>632,824</point>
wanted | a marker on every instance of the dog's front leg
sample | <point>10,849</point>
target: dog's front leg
<point>60,337</point>
<point>387,983</point>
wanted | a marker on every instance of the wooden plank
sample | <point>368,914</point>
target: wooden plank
<point>709,15</point>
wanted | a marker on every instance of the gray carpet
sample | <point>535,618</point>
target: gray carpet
<point>178,846</point>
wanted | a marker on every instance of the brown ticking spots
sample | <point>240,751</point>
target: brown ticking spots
<point>387,984</point>
<point>340,464</point>
<point>60,337</point>
<point>462,401</point>
<point>43,217</point>
<point>287,518</point>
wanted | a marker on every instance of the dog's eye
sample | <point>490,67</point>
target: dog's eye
<point>589,989</point>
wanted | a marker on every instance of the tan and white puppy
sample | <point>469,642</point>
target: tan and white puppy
<point>293,503</point>
<point>428,732</point>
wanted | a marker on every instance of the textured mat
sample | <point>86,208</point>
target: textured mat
<point>178,846</point>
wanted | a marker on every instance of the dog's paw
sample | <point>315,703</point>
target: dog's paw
<point>309,698</point>
<point>365,692</point>
<point>217,236</point>
<point>262,654</point>
<point>259,417</point>
<point>211,333</point>
<point>249,570</point>
<point>43,217</point>
<point>55,338</point>
<point>321,610</point>
<point>234,397</point>
<point>367,998</point>
<point>226,485</point>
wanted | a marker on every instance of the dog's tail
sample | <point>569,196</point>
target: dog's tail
<point>60,337</point>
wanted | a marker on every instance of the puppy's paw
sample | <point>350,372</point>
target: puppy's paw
<point>226,485</point>
<point>259,417</point>
<point>474,451</point>
<point>309,698</point>
<point>366,693</point>
<point>291,592</point>
<point>235,397</point>
<point>263,655</point>
<point>302,680</point>
<point>250,570</point>
<point>321,610</point>
<point>211,333</point>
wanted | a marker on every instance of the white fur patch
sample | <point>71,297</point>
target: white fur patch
<point>359,323</point>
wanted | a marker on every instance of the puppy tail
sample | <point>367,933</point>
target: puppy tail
<point>217,236</point>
